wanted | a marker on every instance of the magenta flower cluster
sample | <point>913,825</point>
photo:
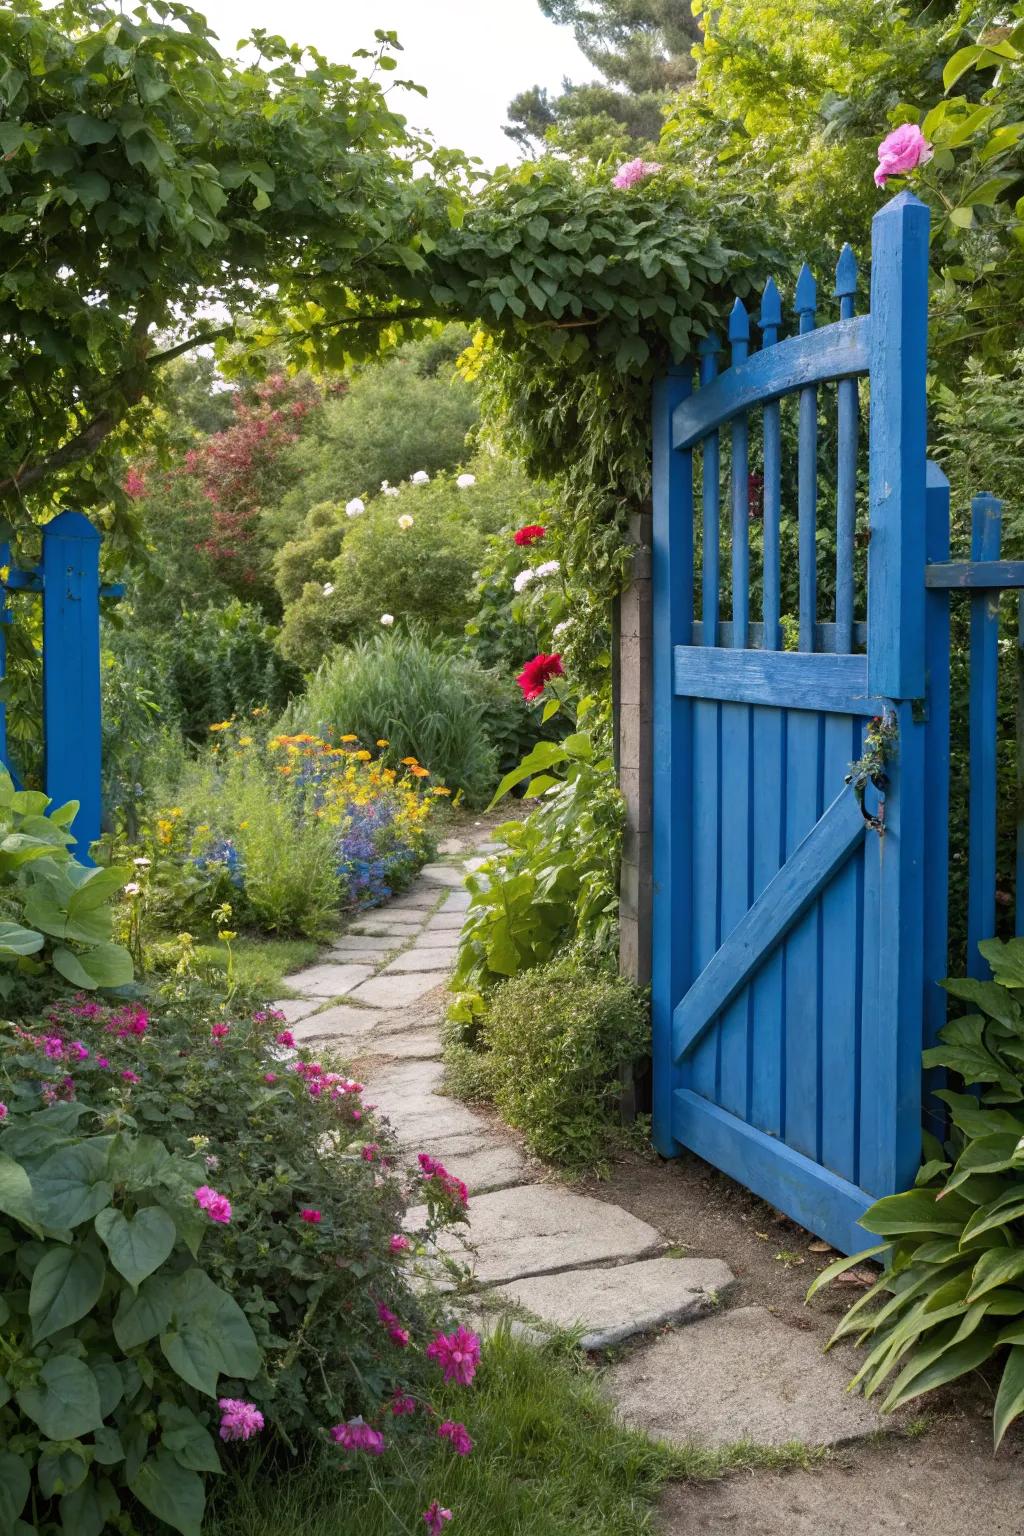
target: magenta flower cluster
<point>447,1183</point>
<point>436,1518</point>
<point>217,1207</point>
<point>458,1355</point>
<point>357,1435</point>
<point>457,1435</point>
<point>238,1420</point>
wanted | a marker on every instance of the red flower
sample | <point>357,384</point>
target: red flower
<point>536,673</point>
<point>530,534</point>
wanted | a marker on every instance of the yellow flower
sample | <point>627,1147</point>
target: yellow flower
<point>245,741</point>
<point>439,789</point>
<point>363,756</point>
<point>348,738</point>
<point>243,824</point>
<point>383,742</point>
<point>176,810</point>
<point>410,762</point>
<point>222,725</point>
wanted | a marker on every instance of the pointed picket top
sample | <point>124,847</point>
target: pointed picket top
<point>708,352</point>
<point>771,313</point>
<point>846,273</point>
<point>806,298</point>
<point>739,332</point>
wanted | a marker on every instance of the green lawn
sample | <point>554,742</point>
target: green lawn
<point>260,963</point>
<point>548,1459</point>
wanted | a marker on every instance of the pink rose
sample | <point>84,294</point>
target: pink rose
<point>633,171</point>
<point>900,151</point>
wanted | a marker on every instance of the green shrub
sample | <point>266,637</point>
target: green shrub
<point>56,917</point>
<point>951,1297</point>
<point>554,1040</point>
<point>223,662</point>
<point>427,704</point>
<point>391,422</point>
<point>558,880</point>
<point>309,557</point>
<point>129,1306</point>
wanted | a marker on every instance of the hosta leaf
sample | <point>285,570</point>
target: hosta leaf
<point>106,965</point>
<point>16,940</point>
<point>986,1154</point>
<point>999,1266</point>
<point>1008,1207</point>
<point>917,1210</point>
<point>1010,1397</point>
<point>139,1245</point>
<point>945,1363</point>
<point>65,1402</point>
<point>66,1285</point>
<point>840,1266</point>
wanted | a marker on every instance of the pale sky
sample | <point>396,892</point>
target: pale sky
<point>473,56</point>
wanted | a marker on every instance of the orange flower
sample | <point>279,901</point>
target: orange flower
<point>383,742</point>
<point>410,762</point>
<point>420,773</point>
<point>285,768</point>
<point>439,789</point>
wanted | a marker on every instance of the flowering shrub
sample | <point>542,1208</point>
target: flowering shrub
<point>149,1313</point>
<point>289,829</point>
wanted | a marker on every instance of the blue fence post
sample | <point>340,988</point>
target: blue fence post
<point>899,359</point>
<point>983,731</point>
<point>5,619</point>
<point>936,792</point>
<point>672,625</point>
<point>71,670</point>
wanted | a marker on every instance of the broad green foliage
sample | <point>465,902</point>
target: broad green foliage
<point>444,710</point>
<point>127,1311</point>
<point>558,880</point>
<point>553,1041</point>
<point>224,662</point>
<point>57,914</point>
<point>167,179</point>
<point>952,1295</point>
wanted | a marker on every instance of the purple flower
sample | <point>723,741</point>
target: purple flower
<point>900,151</point>
<point>358,1436</point>
<point>633,171</point>
<point>238,1420</point>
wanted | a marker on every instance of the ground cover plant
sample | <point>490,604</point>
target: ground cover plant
<point>187,1210</point>
<point>288,830</point>
<point>951,1297</point>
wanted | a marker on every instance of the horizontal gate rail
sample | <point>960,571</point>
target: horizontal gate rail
<point>785,679</point>
<point>1004,575</point>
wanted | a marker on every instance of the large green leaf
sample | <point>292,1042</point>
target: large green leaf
<point>66,1285</point>
<point>107,965</point>
<point>44,912</point>
<point>140,1318</point>
<point>61,1469</point>
<point>16,1192</point>
<point>16,940</point>
<point>91,1509</point>
<point>210,1334</point>
<point>100,886</point>
<point>986,1154</point>
<point>71,1186</point>
<point>947,1363</point>
<point>1006,960</point>
<point>66,1401</point>
<point>542,757</point>
<point>137,1246</point>
<point>171,1492</point>
<point>986,995</point>
<point>189,1442</point>
<point>15,1482</point>
<point>999,1266</point>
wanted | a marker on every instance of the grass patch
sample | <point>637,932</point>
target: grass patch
<point>548,1458</point>
<point>261,963</point>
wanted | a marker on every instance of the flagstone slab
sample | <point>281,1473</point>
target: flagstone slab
<point>407,1044</point>
<point>395,991</point>
<point>443,874</point>
<point>740,1375</point>
<point>328,980</point>
<point>438,938</point>
<point>420,959</point>
<point>455,901</point>
<point>362,944</point>
<point>614,1304</point>
<point>340,1023</point>
<point>295,1008</point>
<point>415,899</point>
<point>387,922</point>
<point>538,1228</point>
<point>483,1161</point>
<point>445,922</point>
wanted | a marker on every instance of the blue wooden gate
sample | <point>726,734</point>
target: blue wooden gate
<point>793,939</point>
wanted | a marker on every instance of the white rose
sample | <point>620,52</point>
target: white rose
<point>142,863</point>
<point>465,481</point>
<point>405,521</point>
<point>132,888</point>
<point>524,578</point>
<point>328,588</point>
<point>387,619</point>
<point>420,478</point>
<point>549,568</point>
<point>355,506</point>
<point>390,490</point>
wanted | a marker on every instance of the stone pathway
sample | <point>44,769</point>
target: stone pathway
<point>538,1250</point>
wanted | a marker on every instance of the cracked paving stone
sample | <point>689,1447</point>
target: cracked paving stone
<point>443,874</point>
<point>537,1228</point>
<point>445,922</point>
<point>614,1304</point>
<point>483,1162</point>
<point>327,980</point>
<point>295,1008</point>
<point>740,1375</point>
<point>340,1023</point>
<point>395,991</point>
<point>421,959</point>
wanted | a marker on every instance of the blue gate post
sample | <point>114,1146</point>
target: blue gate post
<point>672,625</point>
<point>936,844</point>
<point>892,1042</point>
<point>71,670</point>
